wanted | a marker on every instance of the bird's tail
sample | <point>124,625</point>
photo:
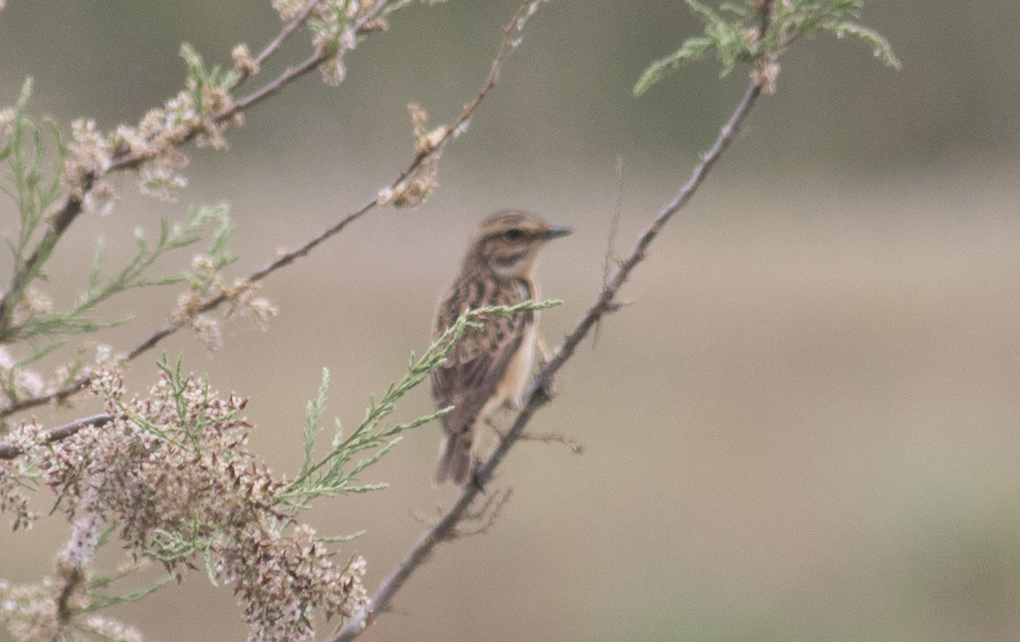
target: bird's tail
<point>454,459</point>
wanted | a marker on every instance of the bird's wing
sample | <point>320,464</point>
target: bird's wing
<point>477,364</point>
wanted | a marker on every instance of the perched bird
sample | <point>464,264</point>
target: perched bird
<point>489,366</point>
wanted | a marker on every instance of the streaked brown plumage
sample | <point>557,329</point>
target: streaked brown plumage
<point>489,366</point>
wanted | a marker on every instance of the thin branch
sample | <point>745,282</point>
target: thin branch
<point>274,46</point>
<point>611,241</point>
<point>73,206</point>
<point>25,273</point>
<point>535,397</point>
<point>361,27</point>
<point>214,301</point>
<point>574,445</point>
<point>10,451</point>
<point>506,45</point>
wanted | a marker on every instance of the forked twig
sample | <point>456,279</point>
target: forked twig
<point>611,241</point>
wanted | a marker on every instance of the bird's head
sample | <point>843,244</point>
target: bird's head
<point>508,242</point>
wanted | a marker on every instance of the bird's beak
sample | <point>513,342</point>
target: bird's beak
<point>557,231</point>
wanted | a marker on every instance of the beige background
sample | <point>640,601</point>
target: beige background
<point>805,426</point>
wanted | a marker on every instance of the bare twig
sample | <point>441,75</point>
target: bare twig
<point>299,20</point>
<point>575,446</point>
<point>484,517</point>
<point>449,132</point>
<point>611,241</point>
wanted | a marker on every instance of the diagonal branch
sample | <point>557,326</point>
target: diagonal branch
<point>536,395</point>
<point>214,301</point>
<point>72,207</point>
<point>299,21</point>
<point>362,26</point>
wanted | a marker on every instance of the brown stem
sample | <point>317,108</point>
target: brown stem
<point>10,451</point>
<point>26,272</point>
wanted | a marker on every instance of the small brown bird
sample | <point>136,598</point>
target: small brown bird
<point>489,366</point>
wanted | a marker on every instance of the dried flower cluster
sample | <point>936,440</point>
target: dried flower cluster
<point>15,476</point>
<point>31,613</point>
<point>333,38</point>
<point>764,73</point>
<point>197,112</point>
<point>205,281</point>
<point>88,158</point>
<point>412,189</point>
<point>172,470</point>
<point>243,61</point>
<point>288,9</point>
<point>18,381</point>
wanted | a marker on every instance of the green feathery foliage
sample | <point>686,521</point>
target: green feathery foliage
<point>331,474</point>
<point>34,187</point>
<point>738,33</point>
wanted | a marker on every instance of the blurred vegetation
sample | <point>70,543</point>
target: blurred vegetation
<point>581,61</point>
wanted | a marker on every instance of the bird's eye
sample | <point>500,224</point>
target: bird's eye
<point>513,234</point>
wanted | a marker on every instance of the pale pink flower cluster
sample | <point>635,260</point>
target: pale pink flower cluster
<point>156,139</point>
<point>194,113</point>
<point>335,29</point>
<point>172,469</point>
<point>243,61</point>
<point>89,153</point>
<point>30,612</point>
<point>412,190</point>
<point>333,38</point>
<point>209,331</point>
<point>88,158</point>
<point>110,630</point>
<point>81,547</point>
<point>13,475</point>
<point>288,8</point>
<point>33,302</point>
<point>281,605</point>
<point>18,382</point>
<point>247,304</point>
<point>764,75</point>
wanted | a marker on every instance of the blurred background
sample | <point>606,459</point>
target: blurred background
<point>805,426</point>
